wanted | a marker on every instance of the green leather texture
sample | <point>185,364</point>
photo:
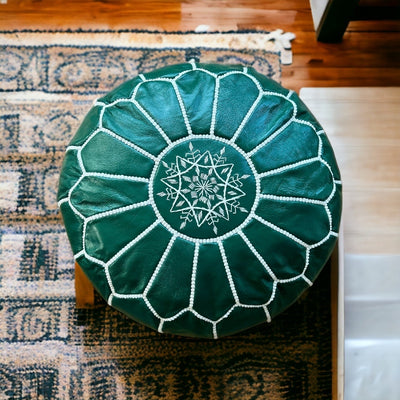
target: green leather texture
<point>200,199</point>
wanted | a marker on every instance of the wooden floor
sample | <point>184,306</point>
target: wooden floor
<point>368,56</point>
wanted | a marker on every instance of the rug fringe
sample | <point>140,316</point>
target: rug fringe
<point>275,41</point>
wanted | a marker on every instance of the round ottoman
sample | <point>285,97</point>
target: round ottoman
<point>200,199</point>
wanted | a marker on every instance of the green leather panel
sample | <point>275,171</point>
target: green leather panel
<point>311,181</point>
<point>212,283</point>
<point>189,324</point>
<point>268,85</point>
<point>165,113</point>
<point>228,119</point>
<point>197,100</point>
<point>106,236</point>
<point>285,257</point>
<point>173,277</point>
<point>308,222</point>
<point>140,258</point>
<point>123,91</point>
<point>96,194</point>
<point>96,274</point>
<point>75,227</point>
<point>137,309</point>
<point>247,316</point>
<point>106,154</point>
<point>67,181</point>
<point>89,125</point>
<point>252,280</point>
<point>272,112</point>
<point>286,295</point>
<point>296,143</point>
<point>125,120</point>
<point>201,199</point>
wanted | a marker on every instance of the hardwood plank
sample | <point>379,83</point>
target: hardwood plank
<point>374,26</point>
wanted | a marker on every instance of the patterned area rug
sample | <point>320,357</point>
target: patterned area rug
<point>50,350</point>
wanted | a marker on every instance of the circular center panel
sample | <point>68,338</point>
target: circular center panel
<point>203,188</point>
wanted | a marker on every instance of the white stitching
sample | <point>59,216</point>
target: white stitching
<point>228,272</point>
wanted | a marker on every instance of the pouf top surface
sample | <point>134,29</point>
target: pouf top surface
<point>200,199</point>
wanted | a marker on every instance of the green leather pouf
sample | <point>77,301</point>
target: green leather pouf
<point>200,199</point>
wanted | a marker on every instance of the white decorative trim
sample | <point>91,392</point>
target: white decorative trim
<point>288,167</point>
<point>228,272</point>
<point>258,255</point>
<point>152,121</point>
<point>194,275</point>
<point>214,108</point>
<point>246,117</point>
<point>183,110</point>
<point>117,176</point>
<point>265,308</point>
<point>280,230</point>
<point>293,199</point>
<point>159,265</point>
<point>192,62</point>
<point>132,243</point>
<point>130,144</point>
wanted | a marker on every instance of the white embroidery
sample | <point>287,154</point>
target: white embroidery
<point>202,188</point>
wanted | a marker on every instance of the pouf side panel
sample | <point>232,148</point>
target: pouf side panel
<point>131,273</point>
<point>236,95</point>
<point>89,125</point>
<point>128,122</point>
<point>169,71</point>
<point>188,324</point>
<point>106,154</point>
<point>241,317</point>
<point>320,256</point>
<point>268,85</point>
<point>160,101</point>
<point>335,208</point>
<point>70,174</point>
<point>213,295</point>
<point>171,289</point>
<point>286,295</point>
<point>286,257</point>
<point>197,89</point>
<point>253,283</point>
<point>328,155</point>
<point>220,69</point>
<point>94,195</point>
<point>137,309</point>
<point>97,276</point>
<point>105,237</point>
<point>74,227</point>
<point>123,91</point>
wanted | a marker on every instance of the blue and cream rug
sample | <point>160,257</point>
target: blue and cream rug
<point>50,350</point>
